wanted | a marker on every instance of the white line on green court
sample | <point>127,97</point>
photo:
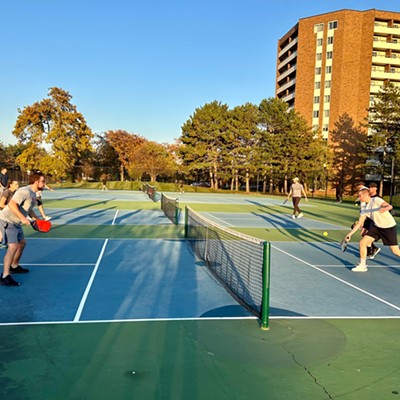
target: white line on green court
<point>338,279</point>
<point>89,285</point>
<point>115,217</point>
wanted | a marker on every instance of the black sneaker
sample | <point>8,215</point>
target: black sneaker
<point>18,270</point>
<point>374,253</point>
<point>8,281</point>
<point>3,246</point>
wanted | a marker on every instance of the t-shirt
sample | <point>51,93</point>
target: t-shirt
<point>296,189</point>
<point>381,220</point>
<point>8,194</point>
<point>25,197</point>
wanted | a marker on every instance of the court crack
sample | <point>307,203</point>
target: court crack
<point>308,372</point>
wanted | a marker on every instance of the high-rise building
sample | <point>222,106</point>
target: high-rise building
<point>334,63</point>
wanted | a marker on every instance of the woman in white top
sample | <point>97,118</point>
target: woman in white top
<point>296,190</point>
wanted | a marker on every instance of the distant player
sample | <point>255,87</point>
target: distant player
<point>296,191</point>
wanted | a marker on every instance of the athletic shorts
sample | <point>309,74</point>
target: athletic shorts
<point>388,235</point>
<point>14,233</point>
<point>368,223</point>
<point>39,202</point>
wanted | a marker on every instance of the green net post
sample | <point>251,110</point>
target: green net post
<point>266,286</point>
<point>186,221</point>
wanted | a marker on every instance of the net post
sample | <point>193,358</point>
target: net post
<point>266,286</point>
<point>176,212</point>
<point>186,221</point>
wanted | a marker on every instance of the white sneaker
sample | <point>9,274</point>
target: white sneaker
<point>300,215</point>
<point>293,216</point>
<point>360,268</point>
<point>47,218</point>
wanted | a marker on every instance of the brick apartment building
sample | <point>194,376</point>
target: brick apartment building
<point>334,63</point>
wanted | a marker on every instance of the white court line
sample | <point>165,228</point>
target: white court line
<point>338,279</point>
<point>213,217</point>
<point>115,217</point>
<point>345,265</point>
<point>89,285</point>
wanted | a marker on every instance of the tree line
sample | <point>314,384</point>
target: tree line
<point>267,144</point>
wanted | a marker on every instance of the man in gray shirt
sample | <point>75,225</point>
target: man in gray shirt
<point>12,218</point>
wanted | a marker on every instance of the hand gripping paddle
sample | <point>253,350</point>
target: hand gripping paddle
<point>41,225</point>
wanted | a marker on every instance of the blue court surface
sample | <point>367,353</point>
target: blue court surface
<point>88,279</point>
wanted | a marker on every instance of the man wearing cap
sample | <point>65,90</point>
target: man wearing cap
<point>296,190</point>
<point>383,227</point>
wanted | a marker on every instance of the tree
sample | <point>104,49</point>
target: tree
<point>202,140</point>
<point>348,145</point>
<point>384,124</point>
<point>125,145</point>
<point>294,149</point>
<point>153,159</point>
<point>55,134</point>
<point>241,149</point>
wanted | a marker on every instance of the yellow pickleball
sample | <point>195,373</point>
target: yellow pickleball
<point>325,233</point>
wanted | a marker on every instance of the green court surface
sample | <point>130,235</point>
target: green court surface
<point>327,354</point>
<point>215,360</point>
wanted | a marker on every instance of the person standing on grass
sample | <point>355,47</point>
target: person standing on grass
<point>13,217</point>
<point>384,227</point>
<point>296,191</point>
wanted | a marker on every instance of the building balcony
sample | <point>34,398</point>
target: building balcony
<point>288,47</point>
<point>289,97</point>
<point>384,60</point>
<point>374,89</point>
<point>383,75</point>
<point>286,73</point>
<point>383,44</point>
<point>287,60</point>
<point>286,86</point>
<point>382,28</point>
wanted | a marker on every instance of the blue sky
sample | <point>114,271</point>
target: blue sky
<point>145,65</point>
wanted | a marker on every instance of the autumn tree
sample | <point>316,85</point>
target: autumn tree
<point>55,134</point>
<point>153,159</point>
<point>125,145</point>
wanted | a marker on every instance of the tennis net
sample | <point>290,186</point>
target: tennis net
<point>171,208</point>
<point>240,262</point>
<point>151,191</point>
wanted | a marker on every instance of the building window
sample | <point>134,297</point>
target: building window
<point>333,25</point>
<point>315,114</point>
<point>329,55</point>
<point>319,56</point>
<point>317,85</point>
<point>326,113</point>
<point>330,39</point>
<point>316,99</point>
<point>319,42</point>
<point>318,27</point>
<point>328,69</point>
<point>318,71</point>
<point>327,98</point>
<point>325,128</point>
<point>327,84</point>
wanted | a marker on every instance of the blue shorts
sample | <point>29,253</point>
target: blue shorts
<point>13,233</point>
